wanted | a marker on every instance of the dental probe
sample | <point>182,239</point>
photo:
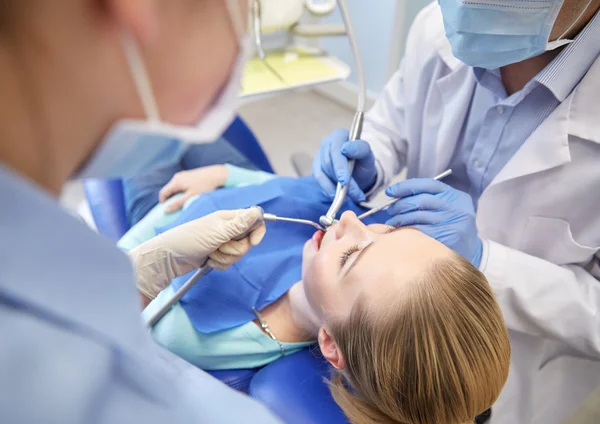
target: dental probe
<point>272,218</point>
<point>355,131</point>
<point>201,272</point>
<point>395,199</point>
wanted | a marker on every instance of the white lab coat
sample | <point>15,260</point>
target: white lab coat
<point>539,218</point>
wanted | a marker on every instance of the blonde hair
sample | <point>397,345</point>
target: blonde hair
<point>439,354</point>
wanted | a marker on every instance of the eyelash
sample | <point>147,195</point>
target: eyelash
<point>347,253</point>
<point>352,250</point>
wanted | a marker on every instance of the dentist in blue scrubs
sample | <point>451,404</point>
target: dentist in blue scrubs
<point>507,94</point>
<point>80,78</point>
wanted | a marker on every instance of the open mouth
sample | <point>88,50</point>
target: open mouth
<point>317,238</point>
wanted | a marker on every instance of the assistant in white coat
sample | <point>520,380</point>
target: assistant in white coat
<point>539,218</point>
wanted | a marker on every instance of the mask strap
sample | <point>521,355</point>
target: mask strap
<point>237,18</point>
<point>576,21</point>
<point>140,77</point>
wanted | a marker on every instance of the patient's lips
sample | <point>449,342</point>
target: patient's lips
<point>317,238</point>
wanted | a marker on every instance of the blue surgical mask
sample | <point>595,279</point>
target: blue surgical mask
<point>491,34</point>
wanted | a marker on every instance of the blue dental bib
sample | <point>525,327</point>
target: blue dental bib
<point>224,299</point>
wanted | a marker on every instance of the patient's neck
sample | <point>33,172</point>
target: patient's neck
<point>302,313</point>
<point>291,318</point>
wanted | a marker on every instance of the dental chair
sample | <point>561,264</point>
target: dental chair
<point>293,387</point>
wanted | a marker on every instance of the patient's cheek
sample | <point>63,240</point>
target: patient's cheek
<point>318,276</point>
<point>308,256</point>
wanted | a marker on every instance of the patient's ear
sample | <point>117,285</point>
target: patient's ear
<point>330,350</point>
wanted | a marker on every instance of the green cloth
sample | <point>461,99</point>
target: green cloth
<point>238,177</point>
<point>240,347</point>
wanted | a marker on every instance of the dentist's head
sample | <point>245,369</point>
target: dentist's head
<point>492,34</point>
<point>78,77</point>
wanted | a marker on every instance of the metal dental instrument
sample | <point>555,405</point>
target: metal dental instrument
<point>201,272</point>
<point>355,131</point>
<point>394,200</point>
<point>205,269</point>
<point>257,27</point>
<point>272,218</point>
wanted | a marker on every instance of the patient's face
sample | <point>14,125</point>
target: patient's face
<point>375,261</point>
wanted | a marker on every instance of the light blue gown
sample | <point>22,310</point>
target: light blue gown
<point>73,347</point>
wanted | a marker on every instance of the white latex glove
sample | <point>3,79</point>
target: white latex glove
<point>191,245</point>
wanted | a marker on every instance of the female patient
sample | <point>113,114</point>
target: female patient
<point>411,329</point>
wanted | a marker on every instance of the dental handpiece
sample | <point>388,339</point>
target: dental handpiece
<point>341,191</point>
<point>201,272</point>
<point>356,129</point>
<point>394,200</point>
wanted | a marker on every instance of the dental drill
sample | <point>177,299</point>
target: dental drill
<point>356,129</point>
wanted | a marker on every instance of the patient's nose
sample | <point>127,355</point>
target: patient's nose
<point>351,225</point>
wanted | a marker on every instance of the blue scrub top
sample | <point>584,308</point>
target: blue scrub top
<point>74,349</point>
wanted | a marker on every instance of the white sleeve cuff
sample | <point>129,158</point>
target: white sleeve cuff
<point>493,265</point>
<point>379,182</point>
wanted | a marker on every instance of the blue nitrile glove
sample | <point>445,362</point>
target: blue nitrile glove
<point>438,210</point>
<point>331,165</point>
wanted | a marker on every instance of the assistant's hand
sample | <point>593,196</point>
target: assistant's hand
<point>331,165</point>
<point>187,247</point>
<point>191,183</point>
<point>438,210</point>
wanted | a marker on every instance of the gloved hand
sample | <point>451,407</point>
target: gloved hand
<point>331,165</point>
<point>182,249</point>
<point>438,210</point>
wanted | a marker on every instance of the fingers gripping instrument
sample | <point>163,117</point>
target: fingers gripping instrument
<point>201,272</point>
<point>356,130</point>
<point>394,200</point>
<point>205,269</point>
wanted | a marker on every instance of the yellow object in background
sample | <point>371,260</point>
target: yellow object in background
<point>297,69</point>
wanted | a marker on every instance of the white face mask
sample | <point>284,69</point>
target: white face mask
<point>132,145</point>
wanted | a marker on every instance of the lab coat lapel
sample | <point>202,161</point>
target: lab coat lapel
<point>546,148</point>
<point>585,110</point>
<point>456,90</point>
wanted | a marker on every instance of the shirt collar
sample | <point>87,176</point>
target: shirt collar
<point>563,74</point>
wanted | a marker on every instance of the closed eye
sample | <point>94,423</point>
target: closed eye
<point>347,254</point>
